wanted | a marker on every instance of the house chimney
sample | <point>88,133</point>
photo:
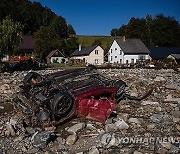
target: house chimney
<point>79,47</point>
<point>124,38</point>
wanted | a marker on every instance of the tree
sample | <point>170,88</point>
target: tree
<point>114,32</point>
<point>158,31</point>
<point>10,36</point>
<point>60,26</point>
<point>149,26</point>
<point>46,40</point>
<point>71,44</point>
<point>71,30</point>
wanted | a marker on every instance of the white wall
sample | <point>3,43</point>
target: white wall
<point>92,57</point>
<point>116,55</point>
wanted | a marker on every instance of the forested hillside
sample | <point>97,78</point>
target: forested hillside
<point>50,31</point>
<point>158,31</point>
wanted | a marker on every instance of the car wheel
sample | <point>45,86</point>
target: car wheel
<point>62,104</point>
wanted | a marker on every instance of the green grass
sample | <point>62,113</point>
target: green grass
<point>63,66</point>
<point>86,41</point>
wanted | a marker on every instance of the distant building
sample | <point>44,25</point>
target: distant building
<point>27,44</point>
<point>56,56</point>
<point>26,51</point>
<point>175,57</point>
<point>90,55</point>
<point>158,53</point>
<point>126,51</point>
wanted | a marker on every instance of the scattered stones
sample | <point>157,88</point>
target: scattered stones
<point>9,130</point>
<point>159,79</point>
<point>150,103</point>
<point>121,124</point>
<point>5,87</point>
<point>71,139</point>
<point>156,116</point>
<point>76,127</point>
<point>111,128</point>
<point>41,139</point>
<point>109,140</point>
<point>134,120</point>
<point>137,152</point>
<point>167,145</point>
<point>176,113</point>
<point>151,126</point>
<point>93,150</point>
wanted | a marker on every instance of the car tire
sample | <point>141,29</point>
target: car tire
<point>62,104</point>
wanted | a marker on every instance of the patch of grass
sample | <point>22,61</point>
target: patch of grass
<point>86,41</point>
<point>57,65</point>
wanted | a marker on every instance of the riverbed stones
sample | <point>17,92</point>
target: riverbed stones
<point>155,116</point>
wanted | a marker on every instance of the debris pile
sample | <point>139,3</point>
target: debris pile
<point>151,125</point>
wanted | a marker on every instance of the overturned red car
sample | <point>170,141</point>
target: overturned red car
<point>81,92</point>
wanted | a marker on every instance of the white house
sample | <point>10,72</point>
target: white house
<point>127,51</point>
<point>56,56</point>
<point>90,55</point>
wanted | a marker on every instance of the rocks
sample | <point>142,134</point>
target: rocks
<point>71,139</point>
<point>158,115</point>
<point>121,124</point>
<point>108,140</point>
<point>76,127</point>
<point>134,120</point>
<point>118,125</point>
<point>5,87</point>
<point>9,130</point>
<point>148,102</point>
<point>176,113</point>
<point>167,145</point>
<point>40,140</point>
<point>151,126</point>
<point>93,150</point>
<point>159,79</point>
<point>111,128</point>
<point>156,118</point>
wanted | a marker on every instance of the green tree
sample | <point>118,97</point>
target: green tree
<point>71,30</point>
<point>114,32</point>
<point>10,36</point>
<point>46,40</point>
<point>149,26</point>
<point>158,31</point>
<point>71,44</point>
<point>60,26</point>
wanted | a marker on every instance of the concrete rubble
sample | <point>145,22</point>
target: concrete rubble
<point>148,126</point>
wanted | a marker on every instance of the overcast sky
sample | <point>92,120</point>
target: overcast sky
<point>98,17</point>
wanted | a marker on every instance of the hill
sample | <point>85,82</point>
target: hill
<point>89,40</point>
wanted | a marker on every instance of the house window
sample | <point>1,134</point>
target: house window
<point>126,61</point>
<point>142,57</point>
<point>111,50</point>
<point>115,56</point>
<point>111,58</point>
<point>120,52</point>
<point>96,52</point>
<point>96,61</point>
<point>115,49</point>
<point>120,61</point>
<point>132,61</point>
